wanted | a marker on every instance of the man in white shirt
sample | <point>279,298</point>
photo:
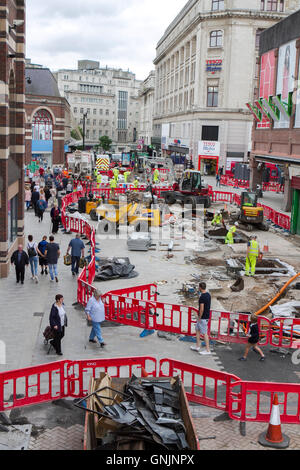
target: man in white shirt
<point>96,314</point>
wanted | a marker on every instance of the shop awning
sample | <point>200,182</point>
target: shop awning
<point>277,159</point>
<point>182,150</point>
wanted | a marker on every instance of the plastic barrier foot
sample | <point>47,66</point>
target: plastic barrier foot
<point>146,333</point>
<point>188,339</point>
<point>274,445</point>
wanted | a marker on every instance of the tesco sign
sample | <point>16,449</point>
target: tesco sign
<point>209,148</point>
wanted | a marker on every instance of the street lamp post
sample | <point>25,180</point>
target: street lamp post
<point>83,130</point>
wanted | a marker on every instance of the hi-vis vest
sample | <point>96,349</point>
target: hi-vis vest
<point>253,248</point>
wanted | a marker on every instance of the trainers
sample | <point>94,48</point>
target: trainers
<point>56,279</point>
<point>205,353</point>
<point>242,359</point>
<point>262,359</point>
<point>194,348</point>
<point>92,341</point>
<point>102,345</point>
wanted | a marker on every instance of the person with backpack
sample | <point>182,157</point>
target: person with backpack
<point>33,252</point>
<point>41,206</point>
<point>43,259</point>
<point>55,218</point>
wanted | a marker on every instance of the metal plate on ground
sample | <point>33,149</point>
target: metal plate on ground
<point>17,438</point>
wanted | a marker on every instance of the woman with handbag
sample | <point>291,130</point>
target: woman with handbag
<point>58,322</point>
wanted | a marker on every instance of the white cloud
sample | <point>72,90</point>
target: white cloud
<point>118,33</point>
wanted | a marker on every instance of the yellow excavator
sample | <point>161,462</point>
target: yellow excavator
<point>112,215</point>
<point>250,214</point>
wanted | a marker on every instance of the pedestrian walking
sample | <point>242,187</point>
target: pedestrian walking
<point>203,320</point>
<point>77,251</point>
<point>28,196</point>
<point>42,257</point>
<point>58,322</point>
<point>253,339</point>
<point>55,218</point>
<point>53,192</point>
<point>41,206</point>
<point>69,188</point>
<point>52,254</point>
<point>47,194</point>
<point>96,314</point>
<point>218,180</point>
<point>33,255</point>
<point>20,260</point>
<point>35,198</point>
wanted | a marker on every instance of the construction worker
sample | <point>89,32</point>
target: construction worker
<point>253,253</point>
<point>116,174</point>
<point>218,219</point>
<point>99,179</point>
<point>113,185</point>
<point>96,172</point>
<point>229,240</point>
<point>126,176</point>
<point>136,183</point>
<point>156,176</point>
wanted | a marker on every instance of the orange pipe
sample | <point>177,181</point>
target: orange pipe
<point>262,310</point>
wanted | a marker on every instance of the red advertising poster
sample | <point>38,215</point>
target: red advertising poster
<point>267,81</point>
<point>285,77</point>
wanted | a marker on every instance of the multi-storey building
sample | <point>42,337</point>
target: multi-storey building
<point>108,97</point>
<point>276,133</point>
<point>147,102</point>
<point>206,72</point>
<point>12,149</point>
<point>47,118</point>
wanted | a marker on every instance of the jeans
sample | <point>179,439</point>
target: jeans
<point>96,332</point>
<point>53,271</point>
<point>75,264</point>
<point>28,204</point>
<point>34,261</point>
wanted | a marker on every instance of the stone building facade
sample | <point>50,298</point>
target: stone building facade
<point>147,103</point>
<point>12,149</point>
<point>206,72</point>
<point>48,124</point>
<point>109,97</point>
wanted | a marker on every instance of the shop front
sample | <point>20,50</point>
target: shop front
<point>295,223</point>
<point>208,157</point>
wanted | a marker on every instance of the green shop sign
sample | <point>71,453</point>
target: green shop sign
<point>272,108</point>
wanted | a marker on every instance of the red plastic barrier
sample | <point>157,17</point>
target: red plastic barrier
<point>204,386</point>
<point>252,401</point>
<point>80,372</point>
<point>37,384</point>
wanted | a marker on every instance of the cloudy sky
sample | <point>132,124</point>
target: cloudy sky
<point>118,33</point>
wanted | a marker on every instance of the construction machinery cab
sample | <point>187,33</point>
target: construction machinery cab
<point>249,199</point>
<point>191,181</point>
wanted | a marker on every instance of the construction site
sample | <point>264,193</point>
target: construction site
<point>150,246</point>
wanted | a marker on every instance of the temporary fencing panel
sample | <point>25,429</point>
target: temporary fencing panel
<point>80,372</point>
<point>253,401</point>
<point>204,386</point>
<point>35,384</point>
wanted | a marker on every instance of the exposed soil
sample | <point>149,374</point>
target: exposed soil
<point>208,262</point>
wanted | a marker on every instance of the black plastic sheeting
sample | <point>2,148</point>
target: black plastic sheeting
<point>115,268</point>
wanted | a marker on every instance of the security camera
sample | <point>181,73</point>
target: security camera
<point>18,22</point>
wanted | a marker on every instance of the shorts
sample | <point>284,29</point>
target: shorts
<point>202,327</point>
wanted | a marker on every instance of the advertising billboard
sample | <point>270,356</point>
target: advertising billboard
<point>267,82</point>
<point>285,78</point>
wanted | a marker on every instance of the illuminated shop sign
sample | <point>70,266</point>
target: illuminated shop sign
<point>214,65</point>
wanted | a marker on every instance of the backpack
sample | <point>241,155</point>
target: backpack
<point>31,252</point>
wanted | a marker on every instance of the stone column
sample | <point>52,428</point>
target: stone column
<point>256,175</point>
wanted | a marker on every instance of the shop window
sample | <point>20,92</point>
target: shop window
<point>42,125</point>
<point>12,220</point>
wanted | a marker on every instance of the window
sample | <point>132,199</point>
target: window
<point>12,226</point>
<point>212,96</point>
<point>94,111</point>
<point>216,39</point>
<point>81,111</point>
<point>75,110</point>
<point>272,5</point>
<point>42,125</point>
<point>107,112</point>
<point>210,133</point>
<point>257,37</point>
<point>101,111</point>
<point>217,5</point>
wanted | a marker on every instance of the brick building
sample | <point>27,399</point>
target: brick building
<point>12,71</point>
<point>276,133</point>
<point>47,116</point>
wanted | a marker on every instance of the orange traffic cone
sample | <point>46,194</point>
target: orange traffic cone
<point>144,373</point>
<point>274,437</point>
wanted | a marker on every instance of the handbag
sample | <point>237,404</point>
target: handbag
<point>48,333</point>
<point>67,260</point>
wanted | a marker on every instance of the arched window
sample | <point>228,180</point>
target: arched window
<point>216,39</point>
<point>42,125</point>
